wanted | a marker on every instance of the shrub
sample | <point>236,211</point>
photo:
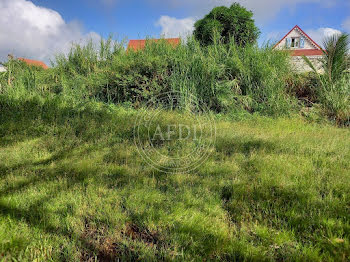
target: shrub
<point>333,88</point>
<point>224,77</point>
<point>228,22</point>
<point>304,87</point>
<point>336,101</point>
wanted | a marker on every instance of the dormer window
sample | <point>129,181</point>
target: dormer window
<point>295,42</point>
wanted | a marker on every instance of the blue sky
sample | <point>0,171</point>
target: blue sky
<point>40,28</point>
<point>137,18</point>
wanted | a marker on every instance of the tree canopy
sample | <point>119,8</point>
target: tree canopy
<point>234,21</point>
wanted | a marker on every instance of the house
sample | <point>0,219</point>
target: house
<point>34,63</point>
<point>2,69</point>
<point>300,44</point>
<point>140,44</point>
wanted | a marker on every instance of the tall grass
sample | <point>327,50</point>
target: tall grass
<point>223,77</point>
<point>73,186</point>
<point>333,83</point>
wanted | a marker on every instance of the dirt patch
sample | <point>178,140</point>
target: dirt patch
<point>97,246</point>
<point>104,254</point>
<point>134,232</point>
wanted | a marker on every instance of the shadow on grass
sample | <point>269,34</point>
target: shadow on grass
<point>276,207</point>
<point>20,120</point>
<point>37,216</point>
<point>289,209</point>
<point>94,245</point>
<point>244,145</point>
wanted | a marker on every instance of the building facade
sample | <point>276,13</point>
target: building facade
<point>300,44</point>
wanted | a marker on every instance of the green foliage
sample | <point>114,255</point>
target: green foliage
<point>333,83</point>
<point>336,61</point>
<point>305,87</point>
<point>335,99</point>
<point>74,188</point>
<point>227,22</point>
<point>223,78</point>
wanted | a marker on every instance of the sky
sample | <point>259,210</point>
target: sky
<point>39,29</point>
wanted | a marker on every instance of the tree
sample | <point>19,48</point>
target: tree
<point>334,81</point>
<point>235,21</point>
<point>335,62</point>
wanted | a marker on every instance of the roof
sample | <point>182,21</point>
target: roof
<point>31,62</point>
<point>307,52</point>
<point>140,44</point>
<point>317,47</point>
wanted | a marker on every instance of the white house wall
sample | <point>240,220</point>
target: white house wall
<point>300,66</point>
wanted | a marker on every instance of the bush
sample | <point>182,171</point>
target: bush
<point>304,87</point>
<point>228,22</point>
<point>333,84</point>
<point>224,77</point>
<point>336,101</point>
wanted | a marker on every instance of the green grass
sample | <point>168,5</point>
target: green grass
<point>73,187</point>
<point>224,78</point>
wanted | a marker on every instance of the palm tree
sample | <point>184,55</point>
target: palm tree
<point>336,58</point>
<point>334,91</point>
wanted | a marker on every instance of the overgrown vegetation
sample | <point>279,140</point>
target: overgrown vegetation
<point>334,81</point>
<point>73,186</point>
<point>224,77</point>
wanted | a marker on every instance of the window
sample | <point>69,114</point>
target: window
<point>295,42</point>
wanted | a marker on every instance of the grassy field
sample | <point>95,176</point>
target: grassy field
<point>74,188</point>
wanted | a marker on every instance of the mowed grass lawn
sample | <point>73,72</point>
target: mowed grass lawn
<point>74,188</point>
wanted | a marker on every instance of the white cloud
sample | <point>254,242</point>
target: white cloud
<point>36,32</point>
<point>346,24</point>
<point>320,34</point>
<point>173,27</point>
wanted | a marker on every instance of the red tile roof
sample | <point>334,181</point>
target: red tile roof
<point>140,44</point>
<point>307,52</point>
<point>34,63</point>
